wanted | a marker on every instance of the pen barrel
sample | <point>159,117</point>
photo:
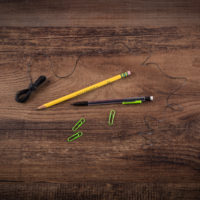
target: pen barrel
<point>145,98</point>
<point>118,101</point>
<point>104,102</point>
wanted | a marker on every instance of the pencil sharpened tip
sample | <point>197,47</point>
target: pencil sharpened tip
<point>41,107</point>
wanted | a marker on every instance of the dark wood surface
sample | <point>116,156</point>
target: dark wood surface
<point>153,149</point>
<point>87,13</point>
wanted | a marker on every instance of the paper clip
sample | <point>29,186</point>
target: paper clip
<point>78,124</point>
<point>111,117</point>
<point>75,136</point>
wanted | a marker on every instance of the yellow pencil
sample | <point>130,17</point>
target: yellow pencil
<point>87,89</point>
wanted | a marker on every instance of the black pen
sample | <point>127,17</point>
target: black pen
<point>113,101</point>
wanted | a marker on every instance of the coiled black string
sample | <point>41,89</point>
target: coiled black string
<point>23,95</point>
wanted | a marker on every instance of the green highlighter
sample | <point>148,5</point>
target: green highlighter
<point>131,102</point>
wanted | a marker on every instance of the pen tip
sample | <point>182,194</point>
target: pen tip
<point>151,98</point>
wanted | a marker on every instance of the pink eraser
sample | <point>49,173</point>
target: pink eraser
<point>129,73</point>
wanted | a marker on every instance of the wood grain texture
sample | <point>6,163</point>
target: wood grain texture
<point>152,151</point>
<point>87,13</point>
<point>150,148</point>
<point>90,191</point>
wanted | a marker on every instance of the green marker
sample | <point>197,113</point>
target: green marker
<point>131,102</point>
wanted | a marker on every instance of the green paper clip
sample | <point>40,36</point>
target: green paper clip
<point>78,124</point>
<point>75,136</point>
<point>111,117</point>
<point>131,102</point>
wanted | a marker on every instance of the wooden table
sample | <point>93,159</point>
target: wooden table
<point>152,151</point>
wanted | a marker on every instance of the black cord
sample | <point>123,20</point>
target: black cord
<point>23,95</point>
<point>68,75</point>
<point>172,106</point>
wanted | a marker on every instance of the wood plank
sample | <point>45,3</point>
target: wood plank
<point>87,13</point>
<point>100,155</point>
<point>100,191</point>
